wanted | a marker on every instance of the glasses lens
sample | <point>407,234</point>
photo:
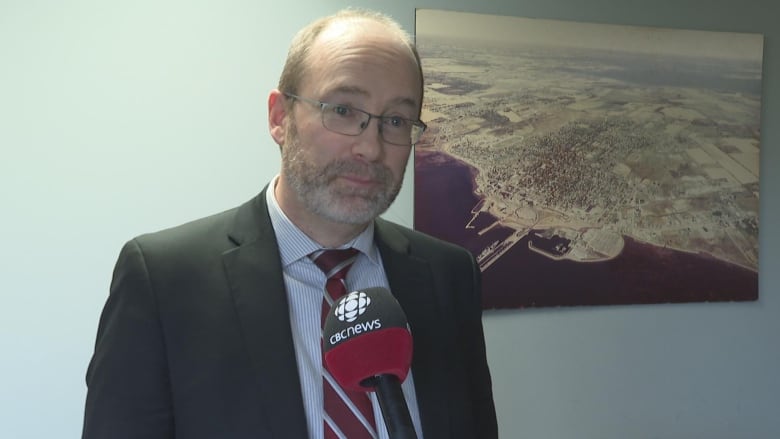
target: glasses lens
<point>343,119</point>
<point>397,130</point>
<point>349,121</point>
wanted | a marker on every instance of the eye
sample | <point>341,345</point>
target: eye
<point>341,110</point>
<point>396,122</point>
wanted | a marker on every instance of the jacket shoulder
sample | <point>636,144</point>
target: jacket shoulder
<point>220,231</point>
<point>396,234</point>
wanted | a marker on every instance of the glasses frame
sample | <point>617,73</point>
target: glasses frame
<point>418,126</point>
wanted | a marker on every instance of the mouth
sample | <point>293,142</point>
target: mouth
<point>360,186</point>
<point>359,180</point>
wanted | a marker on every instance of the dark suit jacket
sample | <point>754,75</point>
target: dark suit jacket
<point>195,340</point>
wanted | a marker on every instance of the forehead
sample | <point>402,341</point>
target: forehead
<point>363,57</point>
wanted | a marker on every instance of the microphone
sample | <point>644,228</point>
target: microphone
<point>367,346</point>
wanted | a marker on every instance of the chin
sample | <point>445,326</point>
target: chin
<point>354,212</point>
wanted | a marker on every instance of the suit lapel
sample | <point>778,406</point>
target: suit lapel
<point>411,283</point>
<point>255,274</point>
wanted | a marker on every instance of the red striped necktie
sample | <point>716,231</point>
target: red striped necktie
<point>348,414</point>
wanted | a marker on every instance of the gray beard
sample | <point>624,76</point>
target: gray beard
<point>318,191</point>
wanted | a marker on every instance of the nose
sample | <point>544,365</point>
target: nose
<point>369,144</point>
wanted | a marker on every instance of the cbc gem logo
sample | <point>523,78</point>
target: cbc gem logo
<point>352,305</point>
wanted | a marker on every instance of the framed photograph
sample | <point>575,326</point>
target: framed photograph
<point>591,164</point>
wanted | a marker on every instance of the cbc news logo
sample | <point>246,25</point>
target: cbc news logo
<point>351,306</point>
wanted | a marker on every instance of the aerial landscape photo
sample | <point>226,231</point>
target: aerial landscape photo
<point>591,164</point>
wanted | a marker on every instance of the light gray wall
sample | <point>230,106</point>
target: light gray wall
<point>120,117</point>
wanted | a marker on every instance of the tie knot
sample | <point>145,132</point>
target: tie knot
<point>333,261</point>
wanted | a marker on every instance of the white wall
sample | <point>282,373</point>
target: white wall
<point>118,118</point>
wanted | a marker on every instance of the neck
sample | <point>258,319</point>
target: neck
<point>329,234</point>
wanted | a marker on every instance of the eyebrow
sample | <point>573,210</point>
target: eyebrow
<point>352,90</point>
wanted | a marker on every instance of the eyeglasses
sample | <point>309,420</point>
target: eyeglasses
<point>350,121</point>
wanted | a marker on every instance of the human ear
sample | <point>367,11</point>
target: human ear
<point>277,113</point>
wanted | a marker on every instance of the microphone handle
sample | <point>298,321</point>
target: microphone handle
<point>394,409</point>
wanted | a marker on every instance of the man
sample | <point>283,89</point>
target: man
<point>212,329</point>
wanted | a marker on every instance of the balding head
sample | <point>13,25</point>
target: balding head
<point>348,23</point>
